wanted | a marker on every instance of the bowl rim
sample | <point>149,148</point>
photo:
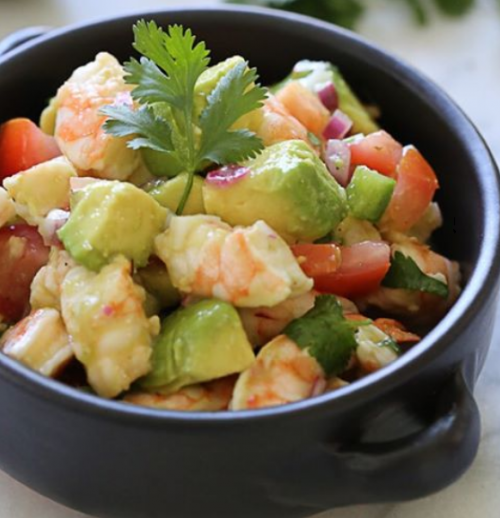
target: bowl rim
<point>474,296</point>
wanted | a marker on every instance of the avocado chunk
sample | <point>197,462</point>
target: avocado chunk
<point>156,280</point>
<point>315,75</point>
<point>198,343</point>
<point>169,193</point>
<point>112,218</point>
<point>288,187</point>
<point>209,80</point>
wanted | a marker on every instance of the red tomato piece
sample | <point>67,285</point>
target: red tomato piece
<point>415,189</point>
<point>363,267</point>
<point>22,254</point>
<point>23,145</point>
<point>317,260</point>
<point>377,151</point>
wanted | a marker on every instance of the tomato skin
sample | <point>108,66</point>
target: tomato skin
<point>20,260</point>
<point>316,260</point>
<point>378,151</point>
<point>23,145</point>
<point>363,267</point>
<point>415,189</point>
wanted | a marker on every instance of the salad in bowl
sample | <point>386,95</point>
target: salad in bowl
<point>177,236</point>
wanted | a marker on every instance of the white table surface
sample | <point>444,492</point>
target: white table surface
<point>464,58</point>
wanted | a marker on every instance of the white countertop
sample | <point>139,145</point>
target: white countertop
<point>464,58</point>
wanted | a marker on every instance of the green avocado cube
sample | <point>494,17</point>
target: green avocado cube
<point>199,343</point>
<point>111,218</point>
<point>288,187</point>
<point>168,193</point>
<point>369,194</point>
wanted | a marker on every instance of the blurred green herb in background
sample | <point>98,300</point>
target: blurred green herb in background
<point>348,12</point>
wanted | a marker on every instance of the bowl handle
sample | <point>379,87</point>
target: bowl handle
<point>21,36</point>
<point>426,461</point>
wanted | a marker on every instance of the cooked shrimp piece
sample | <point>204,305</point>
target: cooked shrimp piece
<point>40,341</point>
<point>305,106</point>
<point>7,207</point>
<point>249,267</point>
<point>423,307</point>
<point>79,124</point>
<point>282,373</point>
<point>375,349</point>
<point>47,284</point>
<point>111,335</point>
<point>263,324</point>
<point>278,125</point>
<point>206,397</point>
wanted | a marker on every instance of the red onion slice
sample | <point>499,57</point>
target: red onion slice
<point>48,228</point>
<point>338,161</point>
<point>329,97</point>
<point>338,127</point>
<point>227,175</point>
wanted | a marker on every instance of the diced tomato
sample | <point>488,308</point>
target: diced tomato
<point>23,145</point>
<point>318,260</point>
<point>415,189</point>
<point>377,151</point>
<point>363,267</point>
<point>22,254</point>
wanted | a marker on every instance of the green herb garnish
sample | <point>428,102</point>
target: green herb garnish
<point>404,273</point>
<point>326,334</point>
<point>167,73</point>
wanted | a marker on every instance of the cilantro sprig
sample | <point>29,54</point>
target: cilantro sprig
<point>167,73</point>
<point>326,334</point>
<point>404,273</point>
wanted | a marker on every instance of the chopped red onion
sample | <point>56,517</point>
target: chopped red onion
<point>48,228</point>
<point>338,161</point>
<point>227,175</point>
<point>329,97</point>
<point>338,127</point>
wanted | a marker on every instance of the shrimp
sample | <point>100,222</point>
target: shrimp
<point>79,125</point>
<point>263,324</point>
<point>335,383</point>
<point>375,349</point>
<point>305,106</point>
<point>111,335</point>
<point>7,207</point>
<point>282,373</point>
<point>40,341</point>
<point>278,125</point>
<point>46,286</point>
<point>249,267</point>
<point>206,397</point>
<point>422,307</point>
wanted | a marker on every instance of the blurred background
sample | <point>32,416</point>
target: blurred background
<point>454,42</point>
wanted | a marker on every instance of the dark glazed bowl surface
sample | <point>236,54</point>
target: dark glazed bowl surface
<point>401,433</point>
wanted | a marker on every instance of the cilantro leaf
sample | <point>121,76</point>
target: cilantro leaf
<point>164,82</point>
<point>124,121</point>
<point>326,334</point>
<point>405,274</point>
<point>176,54</point>
<point>234,96</point>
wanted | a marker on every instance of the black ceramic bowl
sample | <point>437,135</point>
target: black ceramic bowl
<point>404,432</point>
